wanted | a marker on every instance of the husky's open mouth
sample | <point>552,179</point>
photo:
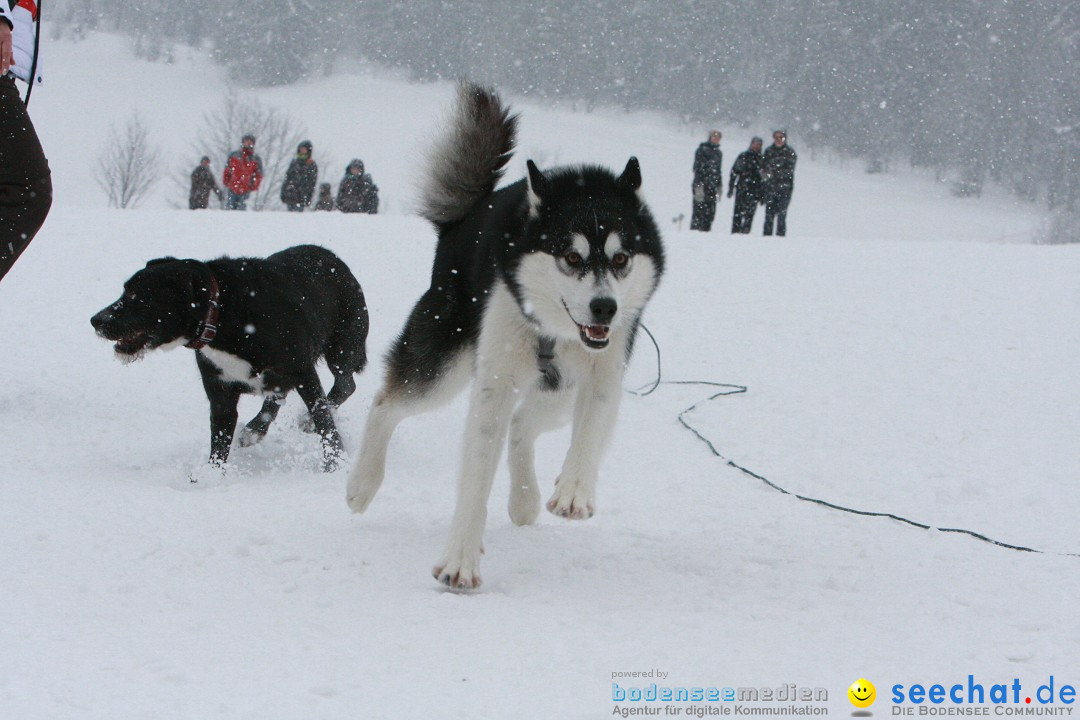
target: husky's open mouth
<point>594,336</point>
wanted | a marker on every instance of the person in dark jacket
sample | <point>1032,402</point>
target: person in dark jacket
<point>300,179</point>
<point>778,176</point>
<point>708,178</point>
<point>357,193</point>
<point>745,182</point>
<point>202,184</point>
<point>25,179</point>
<point>326,200</point>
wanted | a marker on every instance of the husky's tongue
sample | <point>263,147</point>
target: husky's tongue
<point>595,336</point>
<point>597,332</point>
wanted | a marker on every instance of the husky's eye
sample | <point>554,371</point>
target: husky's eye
<point>572,258</point>
<point>620,260</point>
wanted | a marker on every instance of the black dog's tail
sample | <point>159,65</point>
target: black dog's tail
<point>469,159</point>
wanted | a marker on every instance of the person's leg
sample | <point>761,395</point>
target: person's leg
<point>748,215</point>
<point>744,214</point>
<point>770,213</point>
<point>709,212</point>
<point>697,217</point>
<point>781,214</point>
<point>25,180</point>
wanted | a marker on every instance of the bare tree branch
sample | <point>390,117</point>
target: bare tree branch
<point>128,165</point>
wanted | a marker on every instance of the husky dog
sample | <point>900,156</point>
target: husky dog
<point>536,293</point>
<point>257,326</point>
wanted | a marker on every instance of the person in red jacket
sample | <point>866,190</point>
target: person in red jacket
<point>243,174</point>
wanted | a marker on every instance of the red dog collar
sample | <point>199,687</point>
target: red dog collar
<point>207,329</point>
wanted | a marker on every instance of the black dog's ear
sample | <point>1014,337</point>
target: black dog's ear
<point>160,261</point>
<point>631,176</point>
<point>538,188</point>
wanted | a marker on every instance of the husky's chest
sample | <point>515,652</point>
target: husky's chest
<point>235,369</point>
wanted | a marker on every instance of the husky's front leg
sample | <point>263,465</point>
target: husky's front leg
<point>490,406</point>
<point>595,411</point>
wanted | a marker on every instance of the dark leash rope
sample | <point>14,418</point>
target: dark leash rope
<point>33,61</point>
<point>727,390</point>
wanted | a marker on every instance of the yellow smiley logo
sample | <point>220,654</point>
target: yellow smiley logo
<point>862,693</point>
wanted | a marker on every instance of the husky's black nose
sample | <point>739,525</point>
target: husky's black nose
<point>603,309</point>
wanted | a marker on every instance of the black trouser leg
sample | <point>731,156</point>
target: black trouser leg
<point>748,216</point>
<point>781,206</point>
<point>704,211</point>
<point>25,180</point>
<point>710,211</point>
<point>743,216</point>
<point>776,207</point>
<point>700,219</point>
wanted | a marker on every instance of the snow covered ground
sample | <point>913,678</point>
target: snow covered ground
<point>904,352</point>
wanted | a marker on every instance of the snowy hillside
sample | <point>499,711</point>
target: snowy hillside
<point>904,352</point>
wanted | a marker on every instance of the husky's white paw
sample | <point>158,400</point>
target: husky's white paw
<point>573,500</point>
<point>361,490</point>
<point>524,504</point>
<point>458,569</point>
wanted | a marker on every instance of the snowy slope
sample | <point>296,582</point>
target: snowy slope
<point>899,357</point>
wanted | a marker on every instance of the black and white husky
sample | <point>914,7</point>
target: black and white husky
<point>536,294</point>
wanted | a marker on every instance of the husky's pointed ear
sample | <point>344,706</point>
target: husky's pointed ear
<point>631,176</point>
<point>538,189</point>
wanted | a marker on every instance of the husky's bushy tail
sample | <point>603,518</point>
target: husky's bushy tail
<point>469,159</point>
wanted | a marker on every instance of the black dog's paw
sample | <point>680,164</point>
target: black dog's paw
<point>307,424</point>
<point>251,436</point>
<point>332,460</point>
<point>207,474</point>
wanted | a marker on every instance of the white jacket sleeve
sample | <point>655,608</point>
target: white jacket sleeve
<point>22,38</point>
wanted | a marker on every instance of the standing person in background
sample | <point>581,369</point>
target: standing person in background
<point>357,193</point>
<point>326,200</point>
<point>243,174</point>
<point>300,179</point>
<point>25,179</point>
<point>745,182</point>
<point>202,184</point>
<point>778,175</point>
<point>708,178</point>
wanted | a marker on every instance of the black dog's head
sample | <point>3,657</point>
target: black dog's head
<point>162,305</point>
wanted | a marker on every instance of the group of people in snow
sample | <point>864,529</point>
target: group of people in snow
<point>243,174</point>
<point>757,178</point>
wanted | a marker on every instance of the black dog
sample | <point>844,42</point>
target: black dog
<point>257,326</point>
